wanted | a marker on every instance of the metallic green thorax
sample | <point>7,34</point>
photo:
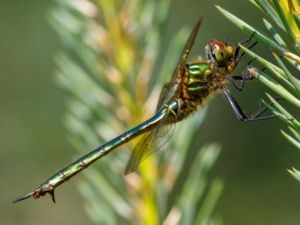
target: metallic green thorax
<point>199,77</point>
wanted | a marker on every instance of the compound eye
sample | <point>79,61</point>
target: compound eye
<point>221,52</point>
<point>219,55</point>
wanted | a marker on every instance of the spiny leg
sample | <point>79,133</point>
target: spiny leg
<point>238,57</point>
<point>239,81</point>
<point>239,112</point>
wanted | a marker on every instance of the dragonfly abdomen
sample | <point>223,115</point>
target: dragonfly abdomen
<point>75,167</point>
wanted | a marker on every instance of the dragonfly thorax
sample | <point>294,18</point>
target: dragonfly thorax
<point>199,77</point>
<point>203,79</point>
<point>198,83</point>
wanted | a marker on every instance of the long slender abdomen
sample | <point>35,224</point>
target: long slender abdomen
<point>99,152</point>
<point>75,167</point>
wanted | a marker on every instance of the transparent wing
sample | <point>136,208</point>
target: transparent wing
<point>148,144</point>
<point>163,96</point>
<point>169,90</point>
<point>162,134</point>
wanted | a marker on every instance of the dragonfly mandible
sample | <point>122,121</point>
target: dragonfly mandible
<point>190,86</point>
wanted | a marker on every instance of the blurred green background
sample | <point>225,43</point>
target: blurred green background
<point>254,159</point>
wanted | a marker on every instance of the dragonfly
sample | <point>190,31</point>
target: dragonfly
<point>190,87</point>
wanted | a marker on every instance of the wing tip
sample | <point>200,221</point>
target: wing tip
<point>130,168</point>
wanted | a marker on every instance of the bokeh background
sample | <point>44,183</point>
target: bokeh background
<point>254,158</point>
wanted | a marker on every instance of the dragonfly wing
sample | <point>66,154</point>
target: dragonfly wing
<point>169,88</point>
<point>145,144</point>
<point>187,49</point>
<point>163,95</point>
<point>149,143</point>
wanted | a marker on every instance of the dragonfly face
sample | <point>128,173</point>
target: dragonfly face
<point>221,55</point>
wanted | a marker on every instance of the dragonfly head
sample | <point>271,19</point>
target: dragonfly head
<point>220,54</point>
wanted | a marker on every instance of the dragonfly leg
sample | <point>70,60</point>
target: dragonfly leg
<point>171,110</point>
<point>238,57</point>
<point>174,108</point>
<point>239,113</point>
<point>248,40</point>
<point>239,81</point>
